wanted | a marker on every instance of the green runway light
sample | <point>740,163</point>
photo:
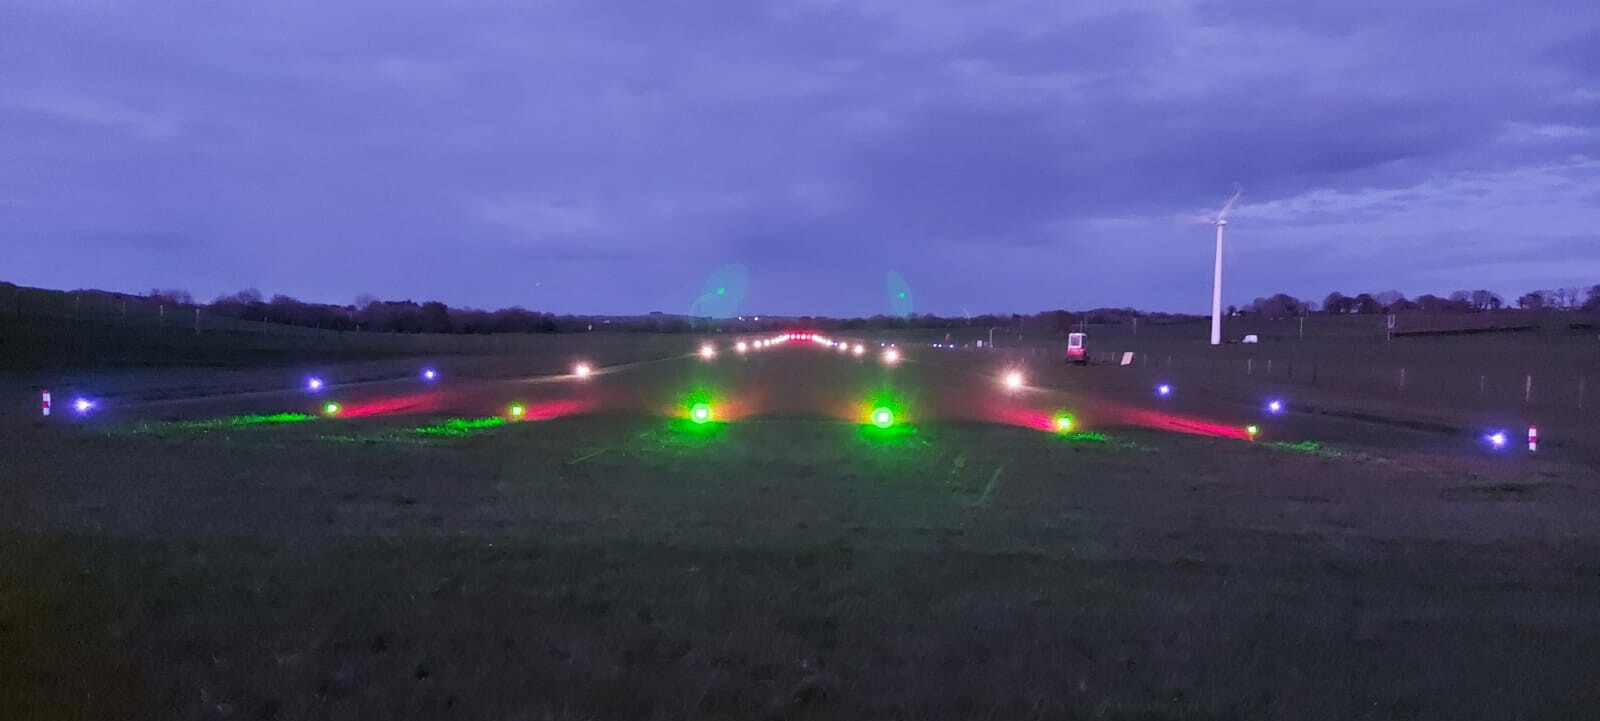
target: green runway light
<point>882,417</point>
<point>1253,430</point>
<point>517,410</point>
<point>331,409</point>
<point>700,412</point>
<point>1063,423</point>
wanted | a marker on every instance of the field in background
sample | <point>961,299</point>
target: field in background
<point>786,566</point>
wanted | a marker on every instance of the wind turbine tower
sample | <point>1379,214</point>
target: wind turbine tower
<point>1221,221</point>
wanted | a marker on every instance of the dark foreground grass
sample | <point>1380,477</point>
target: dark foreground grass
<point>622,568</point>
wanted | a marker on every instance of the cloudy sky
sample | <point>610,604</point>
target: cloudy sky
<point>612,155</point>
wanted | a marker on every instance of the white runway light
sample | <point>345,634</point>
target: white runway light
<point>1014,380</point>
<point>859,349</point>
<point>708,351</point>
<point>582,370</point>
<point>891,356</point>
<point>741,346</point>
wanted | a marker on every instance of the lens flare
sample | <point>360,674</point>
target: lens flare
<point>882,417</point>
<point>700,412</point>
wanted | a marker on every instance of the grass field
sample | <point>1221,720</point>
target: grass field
<point>176,558</point>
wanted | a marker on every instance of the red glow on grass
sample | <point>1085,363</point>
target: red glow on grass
<point>548,410</point>
<point>426,402</point>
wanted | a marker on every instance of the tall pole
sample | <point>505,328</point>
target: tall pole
<point>1216,291</point>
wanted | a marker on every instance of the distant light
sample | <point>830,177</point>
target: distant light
<point>708,351</point>
<point>891,356</point>
<point>1063,423</point>
<point>1497,439</point>
<point>742,346</point>
<point>518,410</point>
<point>1163,390</point>
<point>700,412</point>
<point>1253,430</point>
<point>331,409</point>
<point>1274,406</point>
<point>844,347</point>
<point>1014,380</point>
<point>882,417</point>
<point>429,374</point>
<point>582,370</point>
<point>722,291</point>
<point>313,384</point>
<point>860,349</point>
<point>82,405</point>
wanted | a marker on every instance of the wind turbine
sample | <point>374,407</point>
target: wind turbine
<point>1221,221</point>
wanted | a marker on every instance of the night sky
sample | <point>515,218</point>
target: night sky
<point>611,156</point>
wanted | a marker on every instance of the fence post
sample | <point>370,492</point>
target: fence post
<point>1527,390</point>
<point>197,321</point>
<point>1482,381</point>
<point>161,316</point>
<point>1402,378</point>
<point>1249,366</point>
<point>1269,367</point>
<point>77,307</point>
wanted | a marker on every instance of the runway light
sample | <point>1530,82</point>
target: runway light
<point>1014,380</point>
<point>708,351</point>
<point>313,384</point>
<point>1275,406</point>
<point>882,417</point>
<point>429,374</point>
<point>331,409</point>
<point>859,349</point>
<point>582,370</point>
<point>700,412</point>
<point>82,405</point>
<point>891,356</point>
<point>518,410</point>
<point>1063,423</point>
<point>1163,390</point>
<point>742,346</point>
<point>1253,430</point>
<point>1497,440</point>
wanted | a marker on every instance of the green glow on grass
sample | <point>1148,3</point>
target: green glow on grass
<point>1311,447</point>
<point>239,421</point>
<point>457,427</point>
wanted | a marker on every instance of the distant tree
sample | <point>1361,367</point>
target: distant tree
<point>434,317</point>
<point>1388,299</point>
<point>1233,310</point>
<point>1530,301</point>
<point>1593,301</point>
<point>172,297</point>
<point>1335,303</point>
<point>1366,304</point>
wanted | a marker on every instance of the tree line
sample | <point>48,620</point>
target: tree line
<point>372,314</point>
<point>1283,305</point>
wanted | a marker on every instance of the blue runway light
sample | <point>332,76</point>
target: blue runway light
<point>429,374</point>
<point>314,384</point>
<point>1275,406</point>
<point>1163,390</point>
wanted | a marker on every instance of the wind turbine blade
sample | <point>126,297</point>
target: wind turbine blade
<point>1223,214</point>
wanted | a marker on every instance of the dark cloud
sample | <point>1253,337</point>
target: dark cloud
<point>607,156</point>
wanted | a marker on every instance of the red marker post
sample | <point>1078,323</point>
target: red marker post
<point>1533,438</point>
<point>44,403</point>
